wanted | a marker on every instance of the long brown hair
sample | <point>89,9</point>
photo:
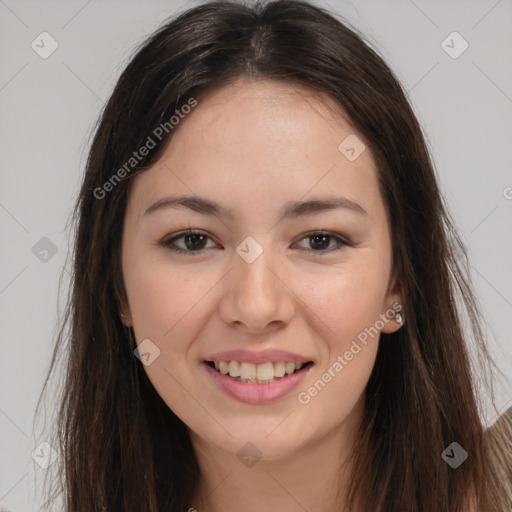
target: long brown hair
<point>121,447</point>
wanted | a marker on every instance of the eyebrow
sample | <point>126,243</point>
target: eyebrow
<point>292,209</point>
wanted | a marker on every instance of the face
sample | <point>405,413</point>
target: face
<point>269,267</point>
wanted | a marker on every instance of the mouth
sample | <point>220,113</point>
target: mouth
<point>264,373</point>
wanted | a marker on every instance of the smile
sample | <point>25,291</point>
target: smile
<point>264,373</point>
<point>257,383</point>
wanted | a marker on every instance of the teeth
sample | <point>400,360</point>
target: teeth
<point>265,371</point>
<point>223,367</point>
<point>289,368</point>
<point>279,369</point>
<point>257,373</point>
<point>234,368</point>
<point>247,371</point>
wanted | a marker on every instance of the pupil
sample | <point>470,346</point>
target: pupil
<point>323,244</point>
<point>197,240</point>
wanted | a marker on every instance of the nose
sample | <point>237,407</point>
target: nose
<point>257,297</point>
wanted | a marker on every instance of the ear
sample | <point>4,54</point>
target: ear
<point>393,304</point>
<point>126,317</point>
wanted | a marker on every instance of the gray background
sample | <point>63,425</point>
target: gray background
<point>48,107</point>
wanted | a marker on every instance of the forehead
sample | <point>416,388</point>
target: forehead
<point>264,114</point>
<point>261,139</point>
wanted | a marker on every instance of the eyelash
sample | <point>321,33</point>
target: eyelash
<point>168,243</point>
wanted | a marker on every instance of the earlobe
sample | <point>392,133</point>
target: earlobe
<point>395,312</point>
<point>395,318</point>
<point>125,319</point>
<point>399,318</point>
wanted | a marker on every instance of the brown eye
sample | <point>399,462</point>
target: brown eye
<point>320,242</point>
<point>323,242</point>
<point>192,242</point>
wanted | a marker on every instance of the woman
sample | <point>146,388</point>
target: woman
<point>266,280</point>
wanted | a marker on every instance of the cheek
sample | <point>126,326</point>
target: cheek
<point>343,306</point>
<point>169,306</point>
<point>164,298</point>
<point>347,301</point>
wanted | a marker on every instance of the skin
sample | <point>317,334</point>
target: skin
<point>254,146</point>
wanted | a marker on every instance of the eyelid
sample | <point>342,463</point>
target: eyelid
<point>167,242</point>
<point>340,239</point>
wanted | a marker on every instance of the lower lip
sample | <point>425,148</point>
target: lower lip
<point>257,393</point>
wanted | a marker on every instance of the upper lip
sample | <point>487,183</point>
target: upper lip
<point>258,357</point>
